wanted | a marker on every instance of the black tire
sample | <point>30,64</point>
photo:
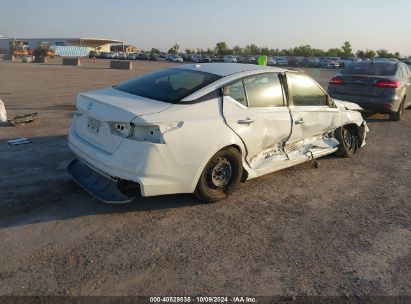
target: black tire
<point>348,138</point>
<point>221,176</point>
<point>397,115</point>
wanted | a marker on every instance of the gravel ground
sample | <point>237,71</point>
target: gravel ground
<point>341,229</point>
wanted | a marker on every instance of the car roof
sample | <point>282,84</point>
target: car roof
<point>225,69</point>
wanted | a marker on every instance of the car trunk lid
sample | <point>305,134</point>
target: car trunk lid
<point>99,110</point>
<point>358,85</point>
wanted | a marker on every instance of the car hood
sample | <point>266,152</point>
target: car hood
<point>348,105</point>
<point>110,104</point>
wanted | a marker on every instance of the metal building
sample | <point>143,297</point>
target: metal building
<point>67,47</point>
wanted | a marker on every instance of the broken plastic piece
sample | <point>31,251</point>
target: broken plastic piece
<point>23,119</point>
<point>19,141</point>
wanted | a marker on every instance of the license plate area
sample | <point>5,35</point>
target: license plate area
<point>94,125</point>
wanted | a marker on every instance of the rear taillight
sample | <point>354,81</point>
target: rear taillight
<point>387,84</point>
<point>337,81</point>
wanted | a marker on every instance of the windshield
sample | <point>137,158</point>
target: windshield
<point>169,85</point>
<point>369,68</point>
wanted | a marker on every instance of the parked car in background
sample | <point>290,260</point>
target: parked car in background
<point>131,56</point>
<point>143,56</point>
<point>205,59</point>
<point>111,55</point>
<point>103,55</point>
<point>230,59</point>
<point>310,62</point>
<point>122,56</point>
<point>252,59</point>
<point>382,86</point>
<point>281,61</point>
<point>196,58</point>
<point>217,59</point>
<point>333,62</point>
<point>186,57</point>
<point>348,60</point>
<point>153,56</point>
<point>203,129</point>
<point>175,58</point>
<point>93,54</point>
<point>271,61</point>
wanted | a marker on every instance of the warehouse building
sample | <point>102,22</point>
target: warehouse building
<point>67,47</point>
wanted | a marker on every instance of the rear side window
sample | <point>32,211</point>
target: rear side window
<point>305,92</point>
<point>264,90</point>
<point>237,92</point>
<point>371,69</point>
<point>169,85</point>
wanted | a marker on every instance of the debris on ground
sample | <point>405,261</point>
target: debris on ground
<point>19,141</point>
<point>3,114</point>
<point>23,119</point>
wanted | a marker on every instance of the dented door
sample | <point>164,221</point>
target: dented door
<point>255,109</point>
<point>311,114</point>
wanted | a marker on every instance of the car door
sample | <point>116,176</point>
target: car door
<point>310,110</point>
<point>255,108</point>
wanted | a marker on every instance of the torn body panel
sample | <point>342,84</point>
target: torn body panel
<point>261,129</point>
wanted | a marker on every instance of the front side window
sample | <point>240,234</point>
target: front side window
<point>169,85</point>
<point>305,92</point>
<point>264,90</point>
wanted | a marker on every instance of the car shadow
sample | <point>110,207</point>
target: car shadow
<point>35,187</point>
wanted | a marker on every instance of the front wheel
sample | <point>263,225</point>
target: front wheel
<point>348,138</point>
<point>221,176</point>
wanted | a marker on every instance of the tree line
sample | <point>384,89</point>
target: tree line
<point>345,50</point>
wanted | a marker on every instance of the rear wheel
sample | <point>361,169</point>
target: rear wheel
<point>397,115</point>
<point>221,176</point>
<point>348,138</point>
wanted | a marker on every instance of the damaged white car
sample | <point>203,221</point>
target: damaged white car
<point>203,129</point>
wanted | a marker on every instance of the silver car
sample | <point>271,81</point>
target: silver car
<point>381,86</point>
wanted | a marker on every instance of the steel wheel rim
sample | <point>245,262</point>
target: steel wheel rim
<point>347,138</point>
<point>219,173</point>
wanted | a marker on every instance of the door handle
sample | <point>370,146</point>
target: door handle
<point>245,121</point>
<point>300,122</point>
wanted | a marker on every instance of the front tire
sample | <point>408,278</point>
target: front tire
<point>348,138</point>
<point>221,176</point>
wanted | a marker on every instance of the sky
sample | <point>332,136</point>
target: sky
<point>193,24</point>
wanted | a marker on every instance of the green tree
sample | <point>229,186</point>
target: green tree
<point>346,49</point>
<point>155,51</point>
<point>370,53</point>
<point>360,54</point>
<point>209,51</point>
<point>334,52</point>
<point>222,48</point>
<point>265,51</point>
<point>189,51</point>
<point>237,50</point>
<point>174,49</point>
<point>303,50</point>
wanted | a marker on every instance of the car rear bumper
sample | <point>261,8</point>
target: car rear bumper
<point>371,104</point>
<point>152,166</point>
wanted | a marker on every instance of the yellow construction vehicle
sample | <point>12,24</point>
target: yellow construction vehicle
<point>16,48</point>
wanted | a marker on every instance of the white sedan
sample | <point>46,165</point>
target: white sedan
<point>203,129</point>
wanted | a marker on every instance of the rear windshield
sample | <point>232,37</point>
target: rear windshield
<point>369,68</point>
<point>169,85</point>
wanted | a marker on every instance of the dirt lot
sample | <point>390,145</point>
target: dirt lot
<point>341,229</point>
